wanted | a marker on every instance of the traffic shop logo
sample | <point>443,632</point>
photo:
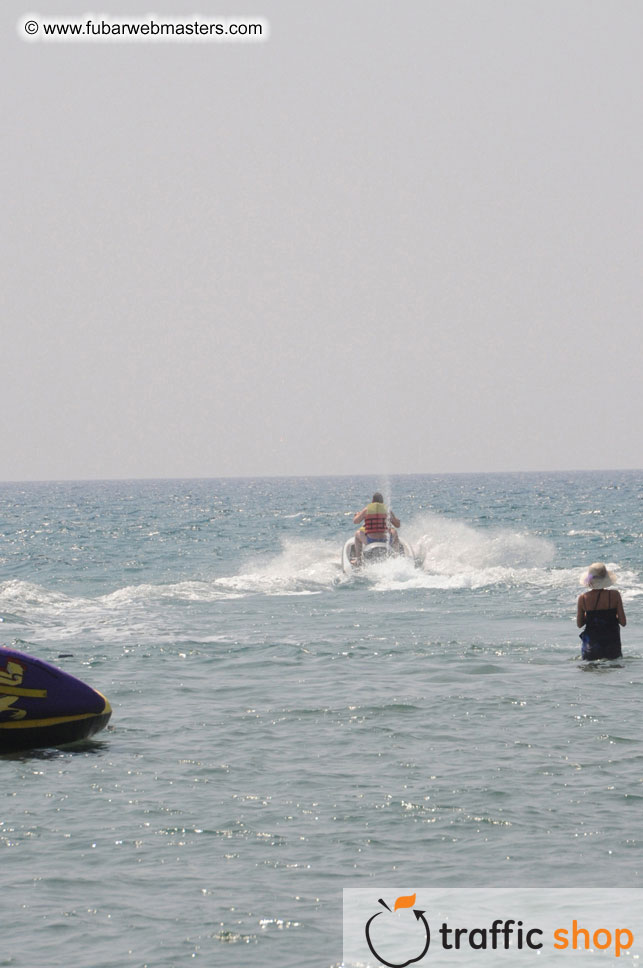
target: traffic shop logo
<point>398,940</point>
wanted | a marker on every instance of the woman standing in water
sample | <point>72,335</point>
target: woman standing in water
<point>601,612</point>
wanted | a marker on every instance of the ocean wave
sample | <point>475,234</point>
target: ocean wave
<point>448,544</point>
<point>453,554</point>
<point>450,555</point>
<point>301,567</point>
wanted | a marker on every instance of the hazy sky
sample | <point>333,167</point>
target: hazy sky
<point>395,237</point>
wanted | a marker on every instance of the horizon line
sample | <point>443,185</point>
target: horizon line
<point>263,477</point>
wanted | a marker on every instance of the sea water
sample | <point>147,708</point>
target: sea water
<point>282,731</point>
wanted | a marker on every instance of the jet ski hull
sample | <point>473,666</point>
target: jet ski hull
<point>373,552</point>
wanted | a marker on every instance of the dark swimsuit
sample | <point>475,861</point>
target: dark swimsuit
<point>601,636</point>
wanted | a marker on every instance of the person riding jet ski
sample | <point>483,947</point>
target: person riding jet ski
<point>376,520</point>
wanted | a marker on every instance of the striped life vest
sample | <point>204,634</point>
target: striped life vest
<point>376,520</point>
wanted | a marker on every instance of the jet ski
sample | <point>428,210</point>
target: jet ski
<point>374,552</point>
<point>40,705</point>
